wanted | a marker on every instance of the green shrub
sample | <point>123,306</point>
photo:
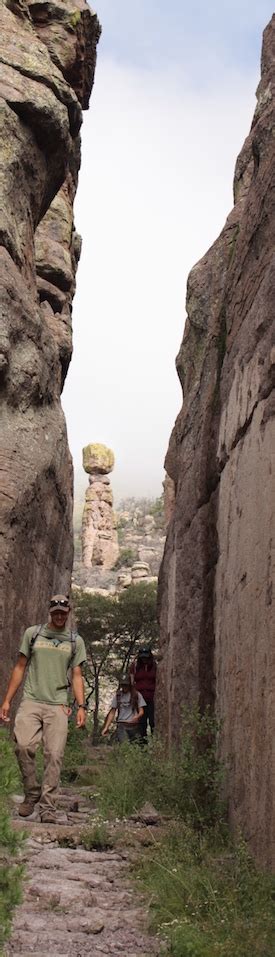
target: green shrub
<point>184,784</point>
<point>126,558</point>
<point>75,754</point>
<point>208,900</point>
<point>10,780</point>
<point>97,838</point>
<point>10,841</point>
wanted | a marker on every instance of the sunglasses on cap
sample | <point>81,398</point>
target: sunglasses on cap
<point>60,603</point>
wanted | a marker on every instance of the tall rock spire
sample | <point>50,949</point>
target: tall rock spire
<point>99,533</point>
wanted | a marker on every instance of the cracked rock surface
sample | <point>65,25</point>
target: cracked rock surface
<point>76,901</point>
<point>217,605</point>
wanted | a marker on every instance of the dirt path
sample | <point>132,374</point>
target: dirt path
<point>76,901</point>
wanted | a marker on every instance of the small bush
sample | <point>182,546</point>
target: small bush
<point>126,558</point>
<point>75,755</point>
<point>184,784</point>
<point>10,780</point>
<point>97,838</point>
<point>208,900</point>
<point>10,841</point>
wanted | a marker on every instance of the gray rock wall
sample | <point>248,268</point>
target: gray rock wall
<point>217,579</point>
<point>40,119</point>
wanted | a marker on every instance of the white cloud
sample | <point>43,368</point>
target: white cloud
<point>155,189</point>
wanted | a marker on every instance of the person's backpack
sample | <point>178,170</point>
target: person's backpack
<point>73,643</point>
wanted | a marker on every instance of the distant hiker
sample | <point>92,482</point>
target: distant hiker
<point>128,704</point>
<point>144,672</point>
<point>46,653</point>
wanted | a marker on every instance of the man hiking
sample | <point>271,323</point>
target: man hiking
<point>46,653</point>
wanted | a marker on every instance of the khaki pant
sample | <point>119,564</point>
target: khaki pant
<point>35,722</point>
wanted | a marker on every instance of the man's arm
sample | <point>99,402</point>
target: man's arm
<point>15,682</point>
<point>78,690</point>
<point>108,721</point>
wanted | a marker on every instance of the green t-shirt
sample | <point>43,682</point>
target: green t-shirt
<point>51,656</point>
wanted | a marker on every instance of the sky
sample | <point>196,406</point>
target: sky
<point>172,103</point>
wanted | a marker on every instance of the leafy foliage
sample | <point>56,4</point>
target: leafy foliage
<point>207,897</point>
<point>113,629</point>
<point>184,784</point>
<point>126,558</point>
<point>157,510</point>
<point>97,838</point>
<point>10,874</point>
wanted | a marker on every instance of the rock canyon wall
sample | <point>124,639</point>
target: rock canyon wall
<point>216,592</point>
<point>47,55</point>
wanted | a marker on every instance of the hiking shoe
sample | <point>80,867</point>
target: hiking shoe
<point>26,808</point>
<point>48,817</point>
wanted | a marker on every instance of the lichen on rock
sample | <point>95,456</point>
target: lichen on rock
<point>98,458</point>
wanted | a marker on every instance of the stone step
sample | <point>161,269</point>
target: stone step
<point>76,901</point>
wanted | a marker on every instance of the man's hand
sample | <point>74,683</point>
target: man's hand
<point>104,731</point>
<point>80,718</point>
<point>5,712</point>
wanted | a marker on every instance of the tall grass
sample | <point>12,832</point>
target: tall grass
<point>10,872</point>
<point>207,898</point>
<point>184,784</point>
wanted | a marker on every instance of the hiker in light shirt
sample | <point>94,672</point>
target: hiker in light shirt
<point>46,653</point>
<point>128,704</point>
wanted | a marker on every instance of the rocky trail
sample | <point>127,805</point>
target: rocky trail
<point>76,901</point>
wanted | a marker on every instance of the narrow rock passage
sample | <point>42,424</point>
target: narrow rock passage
<point>76,901</point>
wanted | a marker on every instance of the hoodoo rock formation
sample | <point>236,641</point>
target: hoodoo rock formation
<point>217,577</point>
<point>99,534</point>
<point>47,54</point>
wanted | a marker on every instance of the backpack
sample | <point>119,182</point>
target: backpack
<point>73,643</point>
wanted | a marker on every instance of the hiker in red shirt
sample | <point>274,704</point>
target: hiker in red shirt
<point>144,671</point>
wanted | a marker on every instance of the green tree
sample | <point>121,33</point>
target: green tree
<point>136,620</point>
<point>156,508</point>
<point>114,628</point>
<point>126,558</point>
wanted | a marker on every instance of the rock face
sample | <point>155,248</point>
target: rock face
<point>47,54</point>
<point>99,534</point>
<point>217,577</point>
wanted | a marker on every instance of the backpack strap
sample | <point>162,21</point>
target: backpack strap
<point>74,636</point>
<point>33,639</point>
<point>73,642</point>
<point>118,702</point>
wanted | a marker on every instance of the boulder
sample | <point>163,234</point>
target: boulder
<point>140,570</point>
<point>98,459</point>
<point>147,815</point>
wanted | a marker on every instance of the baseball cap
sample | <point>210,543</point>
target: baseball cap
<point>125,680</point>
<point>60,603</point>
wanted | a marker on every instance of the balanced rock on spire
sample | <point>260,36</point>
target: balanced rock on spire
<point>99,534</point>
